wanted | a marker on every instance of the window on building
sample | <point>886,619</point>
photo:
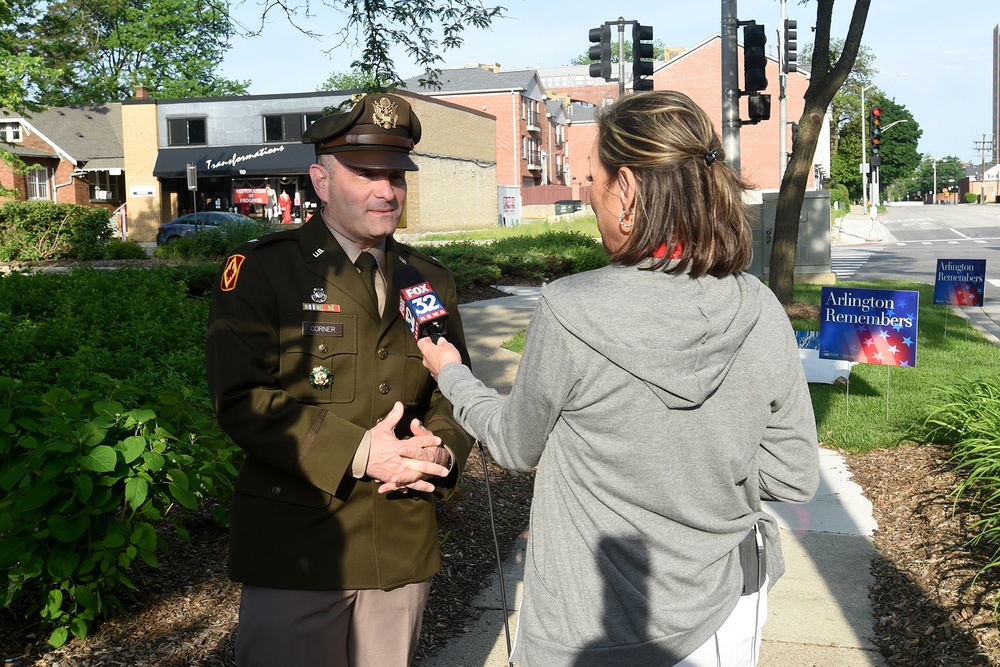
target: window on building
<point>103,186</point>
<point>38,183</point>
<point>10,131</point>
<point>287,127</point>
<point>186,131</point>
<point>524,148</point>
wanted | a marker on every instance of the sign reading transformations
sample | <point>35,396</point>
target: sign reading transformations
<point>869,326</point>
<point>960,282</point>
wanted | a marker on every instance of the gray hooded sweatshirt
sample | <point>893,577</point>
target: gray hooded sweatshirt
<point>659,411</point>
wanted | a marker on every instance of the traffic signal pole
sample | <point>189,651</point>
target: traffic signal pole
<point>730,85</point>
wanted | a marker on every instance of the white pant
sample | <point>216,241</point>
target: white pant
<point>737,642</point>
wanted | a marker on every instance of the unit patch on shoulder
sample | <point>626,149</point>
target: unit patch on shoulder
<point>231,272</point>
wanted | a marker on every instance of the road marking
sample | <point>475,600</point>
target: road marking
<point>993,281</point>
<point>955,231</point>
<point>845,261</point>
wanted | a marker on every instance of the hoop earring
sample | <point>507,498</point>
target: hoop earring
<point>621,220</point>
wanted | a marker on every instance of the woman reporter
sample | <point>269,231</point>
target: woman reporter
<point>661,399</point>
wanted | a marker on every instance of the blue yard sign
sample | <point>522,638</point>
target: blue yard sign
<point>960,282</point>
<point>869,326</point>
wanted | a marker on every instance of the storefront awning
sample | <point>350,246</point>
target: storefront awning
<point>254,160</point>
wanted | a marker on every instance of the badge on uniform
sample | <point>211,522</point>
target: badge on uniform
<point>320,378</point>
<point>318,295</point>
<point>232,272</point>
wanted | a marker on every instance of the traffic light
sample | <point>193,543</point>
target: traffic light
<point>876,136</point>
<point>790,44</point>
<point>600,51</point>
<point>754,58</point>
<point>759,107</point>
<point>642,57</point>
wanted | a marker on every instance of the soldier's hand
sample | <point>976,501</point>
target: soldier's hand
<point>404,464</point>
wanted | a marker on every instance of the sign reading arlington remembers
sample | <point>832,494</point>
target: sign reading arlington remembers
<point>960,282</point>
<point>869,326</point>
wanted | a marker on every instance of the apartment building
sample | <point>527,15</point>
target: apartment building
<point>530,132</point>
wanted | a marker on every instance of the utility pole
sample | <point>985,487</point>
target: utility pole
<point>730,85</point>
<point>983,146</point>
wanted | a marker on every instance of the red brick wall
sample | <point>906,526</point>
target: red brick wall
<point>77,192</point>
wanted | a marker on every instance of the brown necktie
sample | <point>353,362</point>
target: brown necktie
<point>367,264</point>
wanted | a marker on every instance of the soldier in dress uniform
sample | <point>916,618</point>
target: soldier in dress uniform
<point>348,440</point>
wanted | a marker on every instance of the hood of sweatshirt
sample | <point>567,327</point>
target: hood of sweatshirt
<point>676,334</point>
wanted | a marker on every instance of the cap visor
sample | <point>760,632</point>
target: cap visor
<point>377,160</point>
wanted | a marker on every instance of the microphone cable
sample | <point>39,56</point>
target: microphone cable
<point>496,545</point>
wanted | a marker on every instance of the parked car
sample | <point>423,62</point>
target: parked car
<point>185,225</point>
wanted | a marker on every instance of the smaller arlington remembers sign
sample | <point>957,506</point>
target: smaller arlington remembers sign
<point>960,282</point>
<point>869,326</point>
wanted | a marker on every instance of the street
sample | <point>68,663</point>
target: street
<point>919,237</point>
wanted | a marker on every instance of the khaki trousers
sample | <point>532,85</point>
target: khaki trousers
<point>353,628</point>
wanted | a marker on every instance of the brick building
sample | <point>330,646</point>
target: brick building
<point>530,132</point>
<point>76,155</point>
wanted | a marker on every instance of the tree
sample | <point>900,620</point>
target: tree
<point>19,72</point>
<point>379,25</point>
<point>846,103</point>
<point>357,79</point>
<point>827,76</point>
<point>898,151</point>
<point>949,172</point>
<point>102,49</point>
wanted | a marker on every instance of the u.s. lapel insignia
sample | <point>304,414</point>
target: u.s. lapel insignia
<point>320,378</point>
<point>231,272</point>
<point>318,295</point>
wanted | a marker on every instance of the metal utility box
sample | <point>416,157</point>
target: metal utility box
<point>812,252</point>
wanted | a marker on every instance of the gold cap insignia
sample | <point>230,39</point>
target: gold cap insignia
<point>385,114</point>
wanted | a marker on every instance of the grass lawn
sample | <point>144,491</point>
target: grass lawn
<point>884,405</point>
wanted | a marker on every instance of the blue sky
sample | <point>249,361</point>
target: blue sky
<point>934,58</point>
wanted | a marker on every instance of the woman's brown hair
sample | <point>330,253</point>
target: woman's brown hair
<point>685,193</point>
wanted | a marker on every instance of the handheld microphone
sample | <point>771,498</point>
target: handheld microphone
<point>423,312</point>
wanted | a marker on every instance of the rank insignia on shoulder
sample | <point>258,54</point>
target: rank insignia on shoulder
<point>320,378</point>
<point>318,295</point>
<point>232,272</point>
<point>325,307</point>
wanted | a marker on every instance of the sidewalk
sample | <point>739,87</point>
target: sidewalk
<point>819,612</point>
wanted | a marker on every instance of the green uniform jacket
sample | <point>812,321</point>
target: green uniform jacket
<point>298,368</point>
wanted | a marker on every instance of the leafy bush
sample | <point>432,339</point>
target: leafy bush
<point>87,476</point>
<point>544,257</point>
<point>213,244</point>
<point>971,198</point>
<point>116,249</point>
<point>41,230</point>
<point>105,423</point>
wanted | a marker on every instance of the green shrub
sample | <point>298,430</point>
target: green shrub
<point>971,198</point>
<point>116,249</point>
<point>544,257</point>
<point>105,422</point>
<point>42,230</point>
<point>213,244</point>
<point>86,477</point>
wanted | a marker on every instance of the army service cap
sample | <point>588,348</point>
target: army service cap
<point>378,133</point>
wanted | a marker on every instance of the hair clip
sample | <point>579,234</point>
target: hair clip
<point>713,155</point>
